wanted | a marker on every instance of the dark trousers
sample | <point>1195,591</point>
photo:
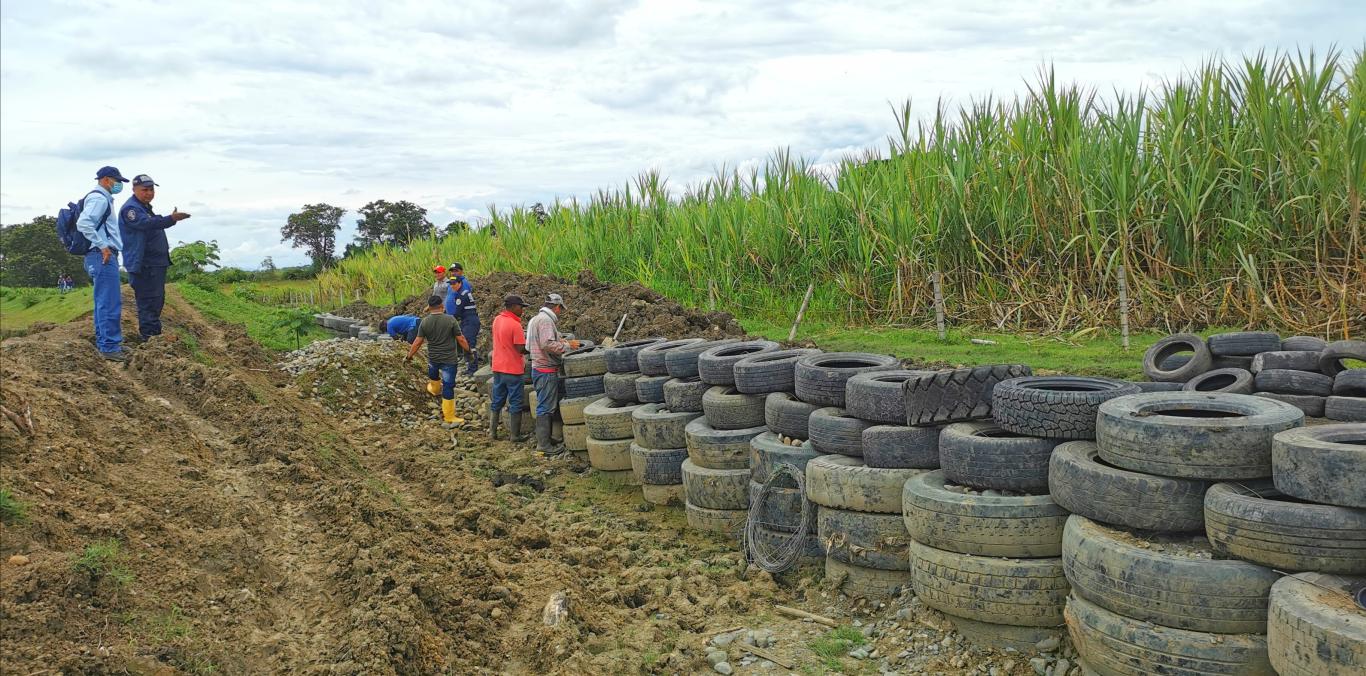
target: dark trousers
<point>469,328</point>
<point>149,289</point>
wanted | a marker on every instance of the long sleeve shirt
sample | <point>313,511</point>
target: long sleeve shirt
<point>144,233</point>
<point>543,341</point>
<point>101,233</point>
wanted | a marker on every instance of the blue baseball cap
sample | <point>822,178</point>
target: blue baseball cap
<point>110,172</point>
<point>143,180</point>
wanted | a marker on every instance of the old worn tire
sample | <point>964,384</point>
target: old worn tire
<point>1005,638</point>
<point>650,389</point>
<point>1244,363</point>
<point>1082,483</point>
<point>957,395</point>
<point>684,394</point>
<point>1193,435</point>
<point>833,430</point>
<point>1294,360</point>
<point>1324,463</point>
<point>622,357</point>
<point>586,386</point>
<point>1028,526</point>
<point>1304,343</point>
<point>657,427</point>
<point>1054,407</point>
<point>717,365</point>
<point>879,396</point>
<point>783,508</point>
<point>821,378</point>
<point>1223,381</point>
<point>1311,406</point>
<point>681,362</point>
<point>620,387</point>
<point>723,521</point>
<point>1350,383</point>
<point>1158,387</point>
<point>571,410</point>
<point>1155,364</point>
<point>576,438</point>
<point>729,409</point>
<point>769,539</point>
<point>766,453</point>
<point>1330,360</point>
<point>1345,409</point>
<point>719,449</point>
<point>901,447</point>
<point>716,488</point>
<point>650,359</point>
<point>585,361</point>
<point>609,455</point>
<point>982,455</point>
<point>786,415</point>
<point>1114,645</point>
<point>1242,343</point>
<point>864,582</point>
<point>1286,381</point>
<point>1143,577</point>
<point>664,495</point>
<point>843,482</point>
<point>1255,522</point>
<point>658,466</point>
<point>1312,630</point>
<point>608,420</point>
<point>863,538</point>
<point>1023,592</point>
<point>772,371</point>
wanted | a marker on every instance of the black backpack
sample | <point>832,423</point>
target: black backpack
<point>72,238</point>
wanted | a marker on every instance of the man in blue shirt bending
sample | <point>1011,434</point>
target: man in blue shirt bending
<point>146,253</point>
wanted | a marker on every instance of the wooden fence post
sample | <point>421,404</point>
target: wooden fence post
<point>792,333</point>
<point>938,305</point>
<point>1123,309</point>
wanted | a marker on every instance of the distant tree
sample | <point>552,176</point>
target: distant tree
<point>315,229</point>
<point>268,264</point>
<point>384,222</point>
<point>187,259</point>
<point>31,255</point>
<point>455,227</point>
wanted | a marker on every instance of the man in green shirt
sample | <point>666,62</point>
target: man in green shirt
<point>441,334</point>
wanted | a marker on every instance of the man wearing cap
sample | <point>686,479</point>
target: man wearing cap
<point>547,352</point>
<point>509,346</point>
<point>146,253</point>
<point>96,222</point>
<point>439,287</point>
<point>460,304</point>
<point>440,333</point>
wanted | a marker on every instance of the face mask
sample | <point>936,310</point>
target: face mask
<point>116,188</point>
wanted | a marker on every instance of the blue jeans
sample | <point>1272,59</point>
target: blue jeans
<point>547,392</point>
<point>507,387</point>
<point>108,300</point>
<point>446,373</point>
<point>149,288</point>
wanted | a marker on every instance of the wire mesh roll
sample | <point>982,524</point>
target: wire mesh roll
<point>776,559</point>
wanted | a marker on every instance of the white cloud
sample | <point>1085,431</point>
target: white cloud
<point>246,111</point>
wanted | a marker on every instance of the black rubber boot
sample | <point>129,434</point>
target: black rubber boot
<point>494,417</point>
<point>543,434</point>
<point>515,427</point>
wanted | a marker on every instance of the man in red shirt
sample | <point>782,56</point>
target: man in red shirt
<point>509,367</point>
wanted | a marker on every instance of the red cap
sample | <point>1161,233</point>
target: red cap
<point>440,269</point>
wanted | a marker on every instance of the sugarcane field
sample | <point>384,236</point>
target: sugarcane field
<point>1037,347</point>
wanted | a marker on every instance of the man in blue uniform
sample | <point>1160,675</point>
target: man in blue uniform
<point>146,253</point>
<point>460,304</point>
<point>401,327</point>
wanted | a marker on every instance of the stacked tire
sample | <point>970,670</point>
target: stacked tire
<point>583,373</point>
<point>658,451</point>
<point>608,434</point>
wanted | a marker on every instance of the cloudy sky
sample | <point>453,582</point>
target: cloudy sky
<point>245,111</point>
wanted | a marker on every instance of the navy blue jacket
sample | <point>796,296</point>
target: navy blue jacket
<point>460,301</point>
<point>144,236</point>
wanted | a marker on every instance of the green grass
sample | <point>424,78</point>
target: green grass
<point>12,511</point>
<point>105,560</point>
<point>835,644</point>
<point>259,319</point>
<point>20,307</point>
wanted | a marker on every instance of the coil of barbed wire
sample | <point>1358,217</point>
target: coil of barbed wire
<point>776,558</point>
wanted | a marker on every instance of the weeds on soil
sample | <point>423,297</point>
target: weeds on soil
<point>12,511</point>
<point>104,560</point>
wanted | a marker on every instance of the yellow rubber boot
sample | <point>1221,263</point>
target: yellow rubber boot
<point>448,413</point>
<point>434,388</point>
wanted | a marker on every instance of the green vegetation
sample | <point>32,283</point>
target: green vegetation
<point>20,307</point>
<point>835,644</point>
<point>33,256</point>
<point>1232,196</point>
<point>12,511</point>
<point>261,321</point>
<point>105,560</point>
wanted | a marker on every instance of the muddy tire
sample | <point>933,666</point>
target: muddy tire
<point>1003,637</point>
<point>719,449</point>
<point>609,456</point>
<point>1286,381</point>
<point>1021,592</point>
<point>766,453</point>
<point>1084,484</point>
<point>620,387</point>
<point>717,365</point>
<point>681,362</point>
<point>864,539</point>
<point>663,495</point>
<point>1255,522</point>
<point>723,521</point>
<point>716,488</point>
<point>1330,360</point>
<point>981,525</point>
<point>1324,464</point>
<point>833,430</point>
<point>1304,343</point>
<point>900,447</point>
<point>571,410</point>
<point>1350,383</point>
<point>1311,406</point>
<point>843,482</point>
<point>783,508</point>
<point>769,371</point>
<point>1114,645</point>
<point>958,395</point>
<point>622,357</point>
<point>1312,630</point>
<point>1159,387</point>
<point>868,583</point>
<point>1181,587</point>
<point>608,420</point>
<point>821,378</point>
<point>1054,407</point>
<point>684,394</point>
<point>879,396</point>
<point>1158,369</point>
<point>729,409</point>
<point>1293,360</point>
<point>982,455</point>
<point>657,427</point>
<point>585,361</point>
<point>1345,409</point>
<point>650,389</point>
<point>1221,381</point>
<point>769,539</point>
<point>658,466</point>
<point>576,438</point>
<point>650,359</point>
<point>1193,435</point>
<point>786,415</point>
<point>587,386</point>
<point>1243,343</point>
